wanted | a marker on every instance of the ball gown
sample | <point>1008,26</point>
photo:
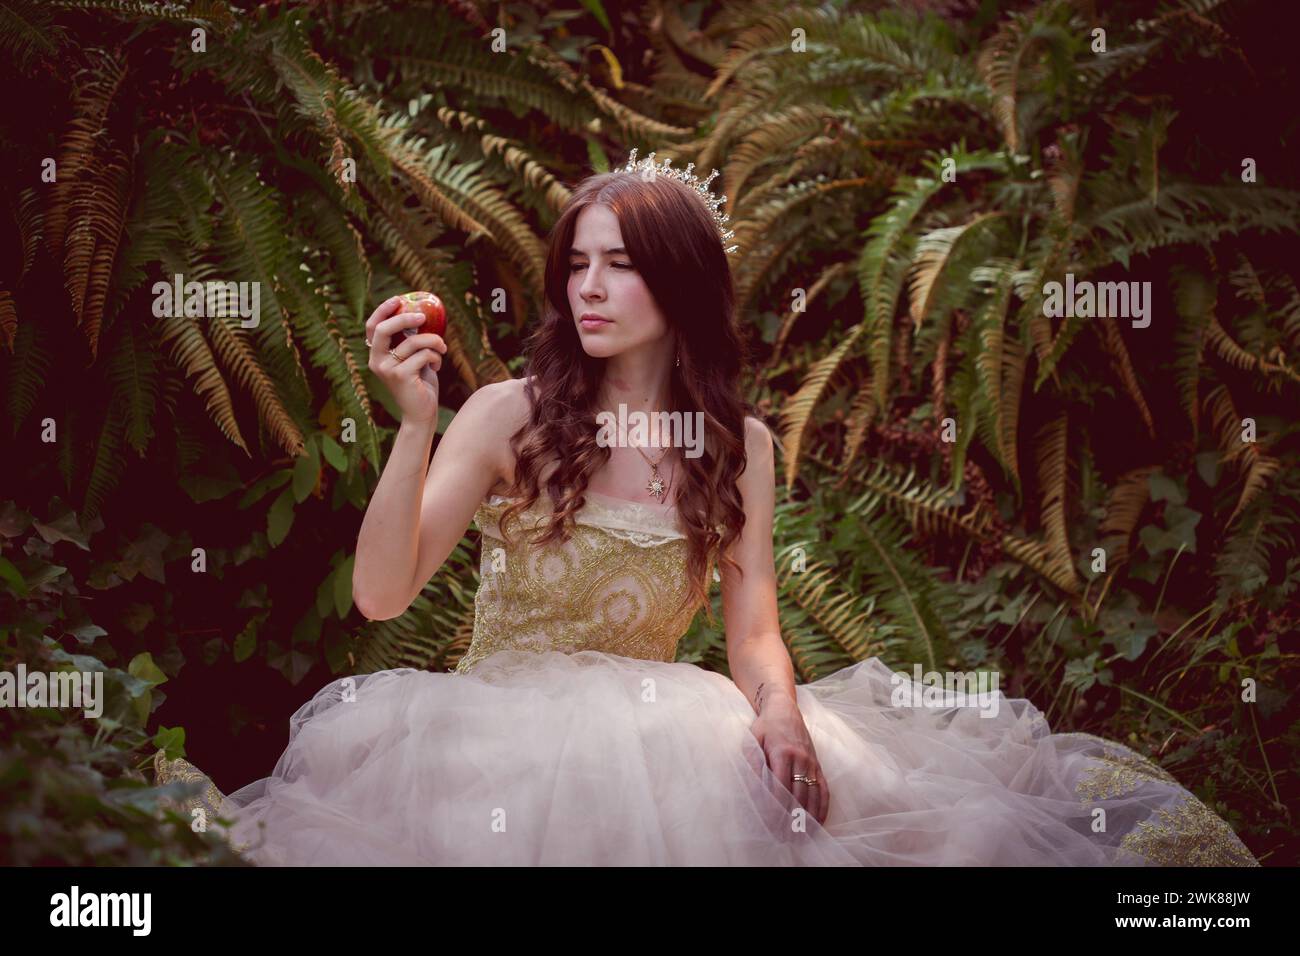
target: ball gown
<point>569,734</point>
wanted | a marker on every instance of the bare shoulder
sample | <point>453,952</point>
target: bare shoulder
<point>759,475</point>
<point>758,438</point>
<point>500,405</point>
<point>494,413</point>
<point>516,402</point>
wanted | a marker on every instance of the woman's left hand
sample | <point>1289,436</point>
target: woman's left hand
<point>789,750</point>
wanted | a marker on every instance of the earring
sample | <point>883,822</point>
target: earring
<point>679,361</point>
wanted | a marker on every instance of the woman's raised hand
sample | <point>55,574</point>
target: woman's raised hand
<point>399,366</point>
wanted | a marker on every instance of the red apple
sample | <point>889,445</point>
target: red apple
<point>435,321</point>
<point>431,307</point>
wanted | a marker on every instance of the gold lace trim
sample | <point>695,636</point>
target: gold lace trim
<point>644,525</point>
<point>1191,834</point>
<point>211,800</point>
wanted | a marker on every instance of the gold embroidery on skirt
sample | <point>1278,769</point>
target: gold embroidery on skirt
<point>211,800</point>
<point>1189,835</point>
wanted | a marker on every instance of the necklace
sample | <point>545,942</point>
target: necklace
<point>655,485</point>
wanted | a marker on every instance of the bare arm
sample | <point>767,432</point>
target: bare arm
<point>760,664</point>
<point>414,521</point>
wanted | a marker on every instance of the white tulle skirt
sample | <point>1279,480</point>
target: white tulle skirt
<point>594,759</point>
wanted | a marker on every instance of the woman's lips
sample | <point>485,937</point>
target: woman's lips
<point>591,322</point>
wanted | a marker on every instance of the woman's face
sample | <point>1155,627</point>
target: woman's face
<point>604,280</point>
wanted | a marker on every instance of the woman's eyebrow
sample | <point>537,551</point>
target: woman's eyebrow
<point>617,250</point>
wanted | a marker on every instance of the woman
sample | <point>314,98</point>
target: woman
<point>568,734</point>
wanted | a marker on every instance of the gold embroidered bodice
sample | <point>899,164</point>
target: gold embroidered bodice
<point>614,586</point>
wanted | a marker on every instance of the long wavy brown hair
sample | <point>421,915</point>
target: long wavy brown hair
<point>673,243</point>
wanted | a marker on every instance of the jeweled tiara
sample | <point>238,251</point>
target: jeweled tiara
<point>701,188</point>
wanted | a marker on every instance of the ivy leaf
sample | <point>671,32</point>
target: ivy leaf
<point>212,650</point>
<point>65,528</point>
<point>1080,674</point>
<point>264,486</point>
<point>325,595</point>
<point>1127,627</point>
<point>172,740</point>
<point>293,664</point>
<point>1181,533</point>
<point>246,642</point>
<point>1164,488</point>
<point>334,453</point>
<point>87,633</point>
<point>209,487</point>
<point>280,518</point>
<point>11,574</point>
<point>343,586</point>
<point>143,668</point>
<point>306,470</point>
<point>1207,466</point>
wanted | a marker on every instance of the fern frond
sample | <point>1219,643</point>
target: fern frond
<point>769,230</point>
<point>31,227</point>
<point>424,267</point>
<point>1235,355</point>
<point>1127,224</point>
<point>796,415</point>
<point>929,510</point>
<point>97,213</point>
<point>1052,459</point>
<point>339,113</point>
<point>132,372</point>
<point>106,472</point>
<point>8,319</point>
<point>1245,280</point>
<point>999,63</point>
<point>837,614</point>
<point>317,325</point>
<point>29,36</point>
<point>771,34</point>
<point>1194,303</point>
<point>882,268</point>
<point>1000,364</point>
<point>253,239</point>
<point>1124,503</point>
<point>1113,342</point>
<point>856,422</point>
<point>190,351</point>
<point>239,358</point>
<point>832,273</point>
<point>934,252</point>
<point>95,89</point>
<point>774,135</point>
<point>347,254</point>
<point>215,12</point>
<point>508,157</point>
<point>907,591</point>
<point>27,369</point>
<point>1289,312</point>
<point>1259,467</point>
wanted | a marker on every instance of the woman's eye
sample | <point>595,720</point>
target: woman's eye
<point>578,265</point>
